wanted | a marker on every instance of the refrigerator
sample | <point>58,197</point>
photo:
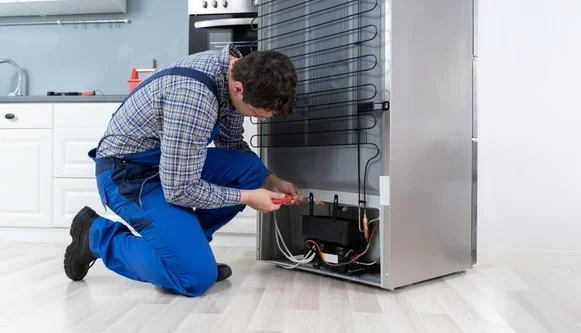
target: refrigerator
<point>383,142</point>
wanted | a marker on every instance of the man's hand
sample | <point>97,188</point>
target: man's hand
<point>275,184</point>
<point>260,199</point>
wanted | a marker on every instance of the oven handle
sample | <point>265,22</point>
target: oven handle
<point>223,22</point>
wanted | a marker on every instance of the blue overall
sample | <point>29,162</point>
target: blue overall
<point>173,251</point>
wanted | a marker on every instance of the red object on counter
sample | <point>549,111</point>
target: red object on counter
<point>133,80</point>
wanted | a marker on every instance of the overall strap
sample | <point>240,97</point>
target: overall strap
<point>182,71</point>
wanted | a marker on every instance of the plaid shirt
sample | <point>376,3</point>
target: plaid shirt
<point>178,114</point>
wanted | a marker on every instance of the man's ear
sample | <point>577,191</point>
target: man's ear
<point>238,88</point>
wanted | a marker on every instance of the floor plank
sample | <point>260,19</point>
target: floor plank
<point>274,303</point>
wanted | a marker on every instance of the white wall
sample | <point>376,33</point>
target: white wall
<point>530,112</point>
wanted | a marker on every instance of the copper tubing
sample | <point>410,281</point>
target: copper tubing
<point>365,226</point>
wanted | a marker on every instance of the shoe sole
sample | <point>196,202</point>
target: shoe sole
<point>75,232</point>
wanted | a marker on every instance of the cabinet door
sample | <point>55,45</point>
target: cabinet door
<point>70,195</point>
<point>25,177</point>
<point>71,148</point>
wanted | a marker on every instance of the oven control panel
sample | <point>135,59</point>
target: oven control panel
<point>206,7</point>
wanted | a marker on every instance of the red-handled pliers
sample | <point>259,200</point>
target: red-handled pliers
<point>286,200</point>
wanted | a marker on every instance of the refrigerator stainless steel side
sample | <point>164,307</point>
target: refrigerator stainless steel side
<point>431,140</point>
<point>421,187</point>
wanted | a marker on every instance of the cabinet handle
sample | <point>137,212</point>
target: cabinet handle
<point>9,116</point>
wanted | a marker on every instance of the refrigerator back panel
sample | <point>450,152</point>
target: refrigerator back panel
<point>329,144</point>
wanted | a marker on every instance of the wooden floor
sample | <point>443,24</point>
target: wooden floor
<point>519,294</point>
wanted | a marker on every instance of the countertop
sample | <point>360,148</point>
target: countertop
<point>62,99</point>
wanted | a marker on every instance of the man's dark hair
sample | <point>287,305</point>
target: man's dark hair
<point>269,81</point>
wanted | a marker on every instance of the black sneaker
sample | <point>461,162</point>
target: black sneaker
<point>78,255</point>
<point>224,272</point>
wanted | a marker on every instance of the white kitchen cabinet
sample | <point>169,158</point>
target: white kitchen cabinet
<point>70,195</point>
<point>60,7</point>
<point>47,175</point>
<point>26,177</point>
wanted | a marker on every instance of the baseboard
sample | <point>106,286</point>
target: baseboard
<point>529,258</point>
<point>61,235</point>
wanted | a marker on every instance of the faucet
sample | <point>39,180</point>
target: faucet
<point>18,91</point>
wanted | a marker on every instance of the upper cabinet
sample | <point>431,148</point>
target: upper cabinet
<point>60,7</point>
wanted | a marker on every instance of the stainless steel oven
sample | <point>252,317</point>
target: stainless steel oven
<point>215,23</point>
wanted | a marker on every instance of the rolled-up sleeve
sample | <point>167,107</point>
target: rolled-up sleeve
<point>189,115</point>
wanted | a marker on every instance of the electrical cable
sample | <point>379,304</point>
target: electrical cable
<point>287,253</point>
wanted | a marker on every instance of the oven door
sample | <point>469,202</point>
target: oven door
<point>211,32</point>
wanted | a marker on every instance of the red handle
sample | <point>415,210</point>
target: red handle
<point>287,199</point>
